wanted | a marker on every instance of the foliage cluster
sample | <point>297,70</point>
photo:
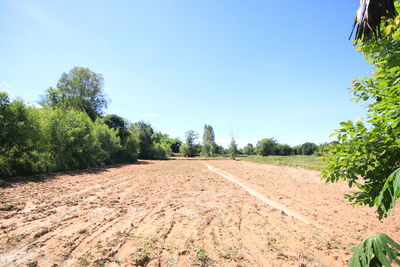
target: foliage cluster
<point>209,145</point>
<point>367,154</point>
<point>69,131</point>
<point>269,146</point>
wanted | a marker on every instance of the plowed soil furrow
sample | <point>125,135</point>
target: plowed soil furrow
<point>179,213</point>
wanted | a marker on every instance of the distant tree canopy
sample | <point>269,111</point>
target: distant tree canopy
<point>308,148</point>
<point>267,146</point>
<point>233,149</point>
<point>144,133</point>
<point>248,149</point>
<point>81,89</point>
<point>209,145</point>
<point>189,148</point>
<point>117,123</point>
<point>69,132</point>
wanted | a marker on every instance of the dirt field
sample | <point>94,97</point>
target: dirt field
<point>183,213</point>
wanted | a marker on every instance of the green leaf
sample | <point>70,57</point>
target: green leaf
<point>375,250</point>
<point>386,200</point>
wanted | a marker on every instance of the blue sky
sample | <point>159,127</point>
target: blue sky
<point>257,68</point>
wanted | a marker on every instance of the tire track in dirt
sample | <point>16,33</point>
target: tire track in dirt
<point>261,197</point>
<point>168,211</point>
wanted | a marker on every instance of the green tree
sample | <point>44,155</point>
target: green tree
<point>233,149</point>
<point>248,149</point>
<point>107,143</point>
<point>69,140</point>
<point>128,151</point>
<point>80,89</point>
<point>367,153</point>
<point>144,133</point>
<point>175,145</point>
<point>220,149</point>
<point>308,148</point>
<point>117,123</point>
<point>266,147</point>
<point>19,135</point>
<point>189,149</point>
<point>209,145</point>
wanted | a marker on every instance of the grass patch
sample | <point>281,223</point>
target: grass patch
<point>6,207</point>
<point>202,256</point>
<point>307,162</point>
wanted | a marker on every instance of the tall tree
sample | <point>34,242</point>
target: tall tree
<point>233,149</point>
<point>248,149</point>
<point>117,123</point>
<point>267,147</point>
<point>308,148</point>
<point>81,89</point>
<point>209,146</point>
<point>189,148</point>
<point>144,132</point>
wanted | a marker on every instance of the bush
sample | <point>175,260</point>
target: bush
<point>129,150</point>
<point>68,137</point>
<point>107,142</point>
<point>19,137</point>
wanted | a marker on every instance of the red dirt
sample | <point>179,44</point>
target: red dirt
<point>172,213</point>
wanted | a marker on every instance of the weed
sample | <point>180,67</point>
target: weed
<point>68,244</point>
<point>334,244</point>
<point>230,253</point>
<point>306,256</point>
<point>117,261</point>
<point>271,241</point>
<point>202,256</point>
<point>14,239</point>
<point>142,256</point>
<point>154,239</point>
<point>7,207</point>
<point>83,262</point>
<point>32,264</point>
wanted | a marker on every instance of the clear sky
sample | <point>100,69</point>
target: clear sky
<point>262,68</point>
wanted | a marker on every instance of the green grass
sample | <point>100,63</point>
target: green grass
<point>307,162</point>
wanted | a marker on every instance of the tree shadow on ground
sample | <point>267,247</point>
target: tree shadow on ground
<point>43,177</point>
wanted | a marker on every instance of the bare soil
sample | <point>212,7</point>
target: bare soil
<point>181,213</point>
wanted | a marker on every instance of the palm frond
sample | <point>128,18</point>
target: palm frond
<point>369,16</point>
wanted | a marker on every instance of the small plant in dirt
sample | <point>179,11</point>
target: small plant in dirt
<point>271,241</point>
<point>202,256</point>
<point>14,239</point>
<point>117,261</point>
<point>142,256</point>
<point>231,253</point>
<point>154,239</point>
<point>32,264</point>
<point>7,207</point>
<point>306,256</point>
<point>84,262</point>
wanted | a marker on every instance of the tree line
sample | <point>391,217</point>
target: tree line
<point>264,147</point>
<point>70,131</point>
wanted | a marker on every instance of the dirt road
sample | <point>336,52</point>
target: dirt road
<point>181,213</point>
